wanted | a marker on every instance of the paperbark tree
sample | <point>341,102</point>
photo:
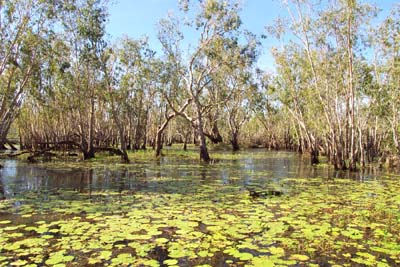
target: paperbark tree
<point>24,28</point>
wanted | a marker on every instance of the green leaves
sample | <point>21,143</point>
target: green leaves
<point>198,224</point>
<point>299,257</point>
<point>123,259</point>
<point>58,257</point>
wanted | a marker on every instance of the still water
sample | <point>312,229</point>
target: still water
<point>253,208</point>
<point>253,168</point>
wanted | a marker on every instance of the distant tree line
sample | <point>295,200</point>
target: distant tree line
<point>335,90</point>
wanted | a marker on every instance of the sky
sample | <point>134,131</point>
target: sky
<point>138,18</point>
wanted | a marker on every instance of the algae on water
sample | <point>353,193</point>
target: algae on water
<point>188,215</point>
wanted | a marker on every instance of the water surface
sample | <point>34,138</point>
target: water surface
<point>256,208</point>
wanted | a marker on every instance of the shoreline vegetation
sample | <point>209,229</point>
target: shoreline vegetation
<point>220,152</point>
<point>120,152</point>
<point>334,91</point>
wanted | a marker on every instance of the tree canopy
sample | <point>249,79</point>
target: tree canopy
<point>334,91</point>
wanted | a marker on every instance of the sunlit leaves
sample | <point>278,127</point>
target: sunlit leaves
<point>349,222</point>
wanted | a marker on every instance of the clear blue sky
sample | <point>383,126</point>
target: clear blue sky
<point>137,18</point>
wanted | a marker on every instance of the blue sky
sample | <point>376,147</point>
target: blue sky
<point>137,18</point>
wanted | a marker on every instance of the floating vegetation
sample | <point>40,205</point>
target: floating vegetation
<point>185,221</point>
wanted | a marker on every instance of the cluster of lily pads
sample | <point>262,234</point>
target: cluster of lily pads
<point>315,222</point>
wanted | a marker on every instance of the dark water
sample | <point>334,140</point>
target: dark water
<point>253,168</point>
<point>178,211</point>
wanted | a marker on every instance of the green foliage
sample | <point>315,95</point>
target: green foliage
<point>347,221</point>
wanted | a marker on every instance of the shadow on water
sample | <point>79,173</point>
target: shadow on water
<point>168,175</point>
<point>243,207</point>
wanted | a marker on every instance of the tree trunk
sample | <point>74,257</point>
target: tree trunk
<point>158,143</point>
<point>185,141</point>
<point>314,155</point>
<point>204,156</point>
<point>185,146</point>
<point>87,151</point>
<point>11,145</point>
<point>353,160</point>
<point>2,146</point>
<point>195,138</point>
<point>144,142</point>
<point>124,155</point>
<point>234,141</point>
<point>88,154</point>
<point>145,129</point>
<point>4,129</point>
<point>216,136</point>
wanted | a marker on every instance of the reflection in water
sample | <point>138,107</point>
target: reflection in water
<point>2,193</point>
<point>257,167</point>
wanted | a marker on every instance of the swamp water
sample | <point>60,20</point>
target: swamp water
<point>255,208</point>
